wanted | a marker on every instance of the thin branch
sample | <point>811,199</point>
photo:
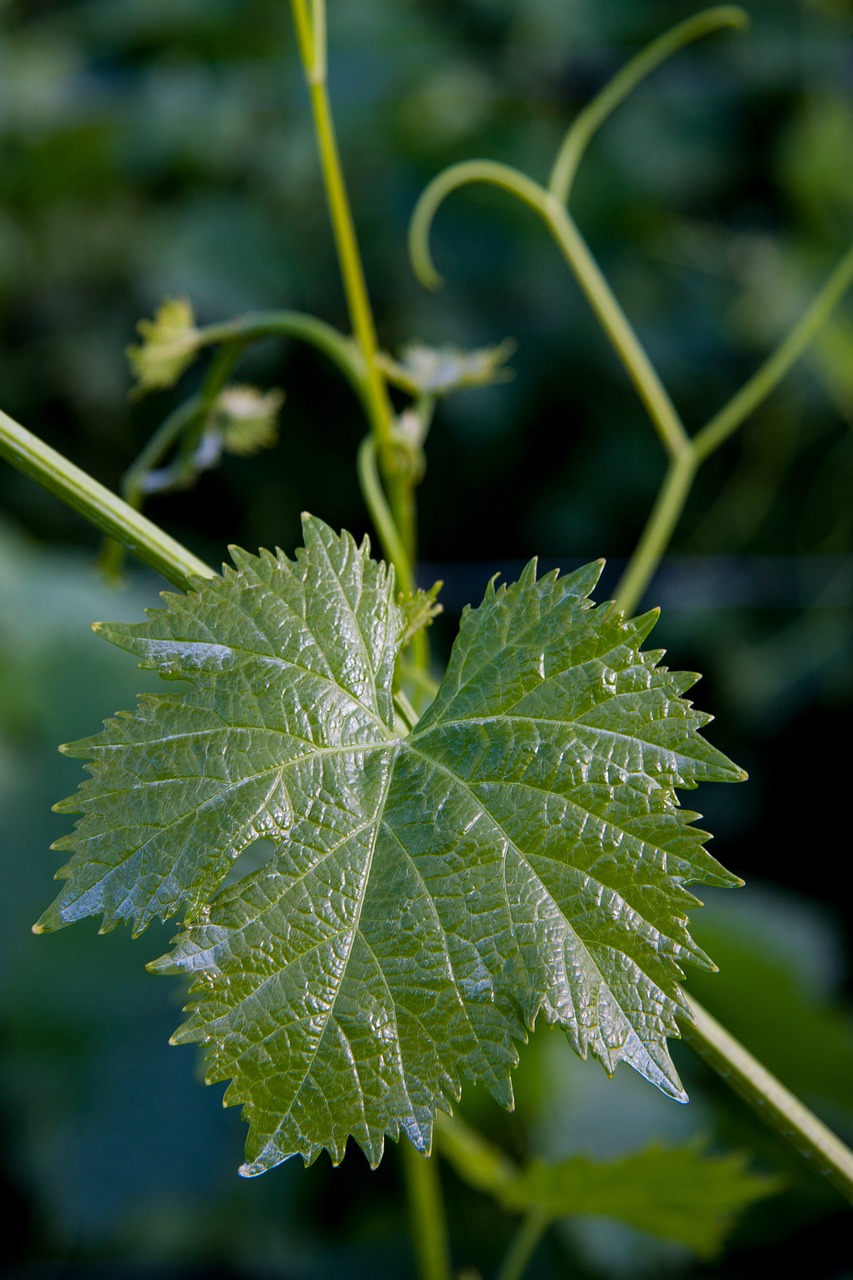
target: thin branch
<point>775,1104</point>
<point>588,121</point>
<point>105,509</point>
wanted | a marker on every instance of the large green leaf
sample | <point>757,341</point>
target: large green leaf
<point>521,850</point>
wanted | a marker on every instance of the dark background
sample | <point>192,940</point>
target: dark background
<point>163,147</point>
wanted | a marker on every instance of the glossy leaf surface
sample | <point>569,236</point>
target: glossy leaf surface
<point>520,851</point>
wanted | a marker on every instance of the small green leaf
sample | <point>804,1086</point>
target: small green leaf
<point>246,419</point>
<point>170,342</point>
<point>438,371</point>
<point>520,851</point>
<point>676,1193</point>
<point>420,609</point>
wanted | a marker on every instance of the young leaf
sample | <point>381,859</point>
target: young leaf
<point>521,850</point>
<point>169,345</point>
<point>420,609</point>
<point>246,419</point>
<point>676,1193</point>
<point>438,371</point>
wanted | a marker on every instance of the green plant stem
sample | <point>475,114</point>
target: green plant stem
<point>524,1244</point>
<point>426,1214</point>
<point>325,337</point>
<point>776,1105</point>
<point>682,469</point>
<point>656,536</point>
<point>774,369</point>
<point>392,544</point>
<point>310,30</point>
<point>185,419</point>
<point>105,509</point>
<point>586,270</point>
<point>588,121</point>
<point>405,708</point>
<point>450,180</point>
<point>111,558</point>
<point>618,329</point>
<point>380,513</point>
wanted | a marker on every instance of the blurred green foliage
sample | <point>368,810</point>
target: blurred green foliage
<point>153,148</point>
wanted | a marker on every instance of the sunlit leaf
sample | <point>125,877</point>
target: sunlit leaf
<point>520,852</point>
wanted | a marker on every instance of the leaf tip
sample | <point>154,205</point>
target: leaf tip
<point>49,921</point>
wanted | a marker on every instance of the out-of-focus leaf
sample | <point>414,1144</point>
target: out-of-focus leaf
<point>676,1193</point>
<point>246,419</point>
<point>438,371</point>
<point>169,344</point>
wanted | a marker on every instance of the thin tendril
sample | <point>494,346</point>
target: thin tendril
<point>588,121</point>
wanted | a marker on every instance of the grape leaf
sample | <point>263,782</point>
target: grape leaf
<point>676,1193</point>
<point>169,345</point>
<point>521,850</point>
<point>438,371</point>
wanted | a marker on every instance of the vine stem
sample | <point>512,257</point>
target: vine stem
<point>524,1244</point>
<point>380,514</point>
<point>678,481</point>
<point>189,417</point>
<point>726,421</point>
<point>775,1104</point>
<point>588,121</point>
<point>105,509</point>
<point>656,536</point>
<point>685,454</point>
<point>310,30</point>
<point>618,329</point>
<point>426,1214</point>
<point>586,270</point>
<point>342,351</point>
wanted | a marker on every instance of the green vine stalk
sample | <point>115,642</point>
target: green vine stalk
<point>389,492</point>
<point>685,453</point>
<point>109,513</point>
